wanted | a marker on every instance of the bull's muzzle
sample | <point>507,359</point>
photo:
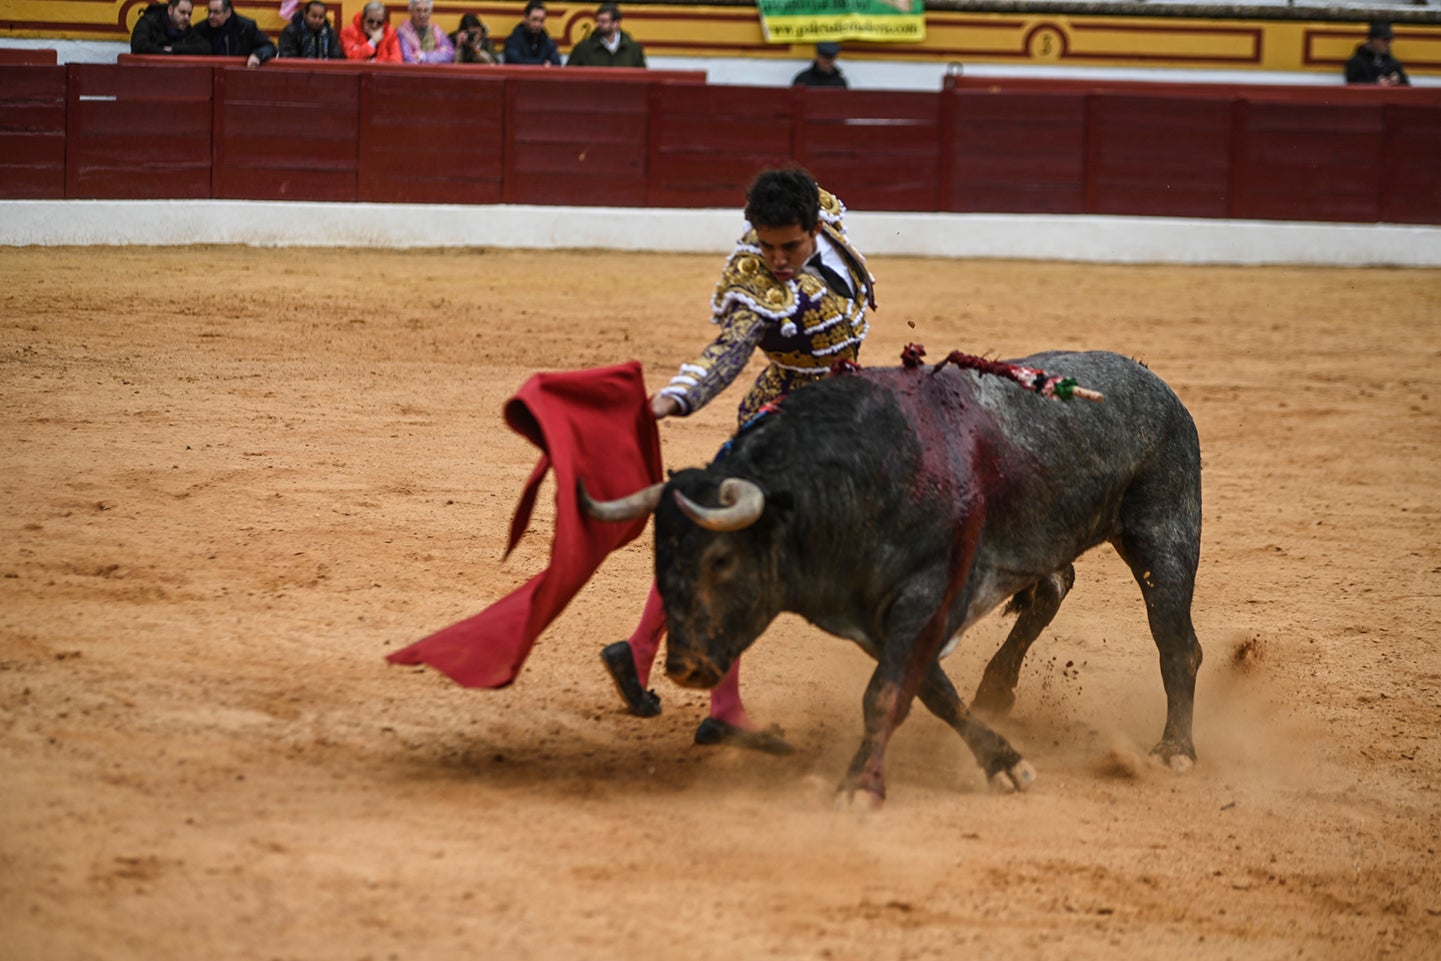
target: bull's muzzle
<point>692,670</point>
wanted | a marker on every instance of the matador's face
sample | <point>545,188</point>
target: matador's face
<point>786,249</point>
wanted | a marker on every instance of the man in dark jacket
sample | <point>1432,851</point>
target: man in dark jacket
<point>607,45</point>
<point>528,42</point>
<point>231,35</point>
<point>166,28</point>
<point>309,35</point>
<point>823,71</point>
<point>1373,63</point>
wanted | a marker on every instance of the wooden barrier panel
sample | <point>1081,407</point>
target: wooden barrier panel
<point>25,56</point>
<point>137,134</point>
<point>286,134</point>
<point>1016,152</point>
<point>1164,156</point>
<point>437,139</point>
<point>876,149</point>
<point>708,142</point>
<point>170,127</point>
<point>1410,184</point>
<point>576,143</point>
<point>32,132</point>
<point>1306,161</point>
<point>489,71</point>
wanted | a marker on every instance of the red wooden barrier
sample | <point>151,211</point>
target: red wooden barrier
<point>286,135</point>
<point>1159,155</point>
<point>883,145</point>
<point>32,132</point>
<point>432,139</point>
<point>708,142</point>
<point>22,55</point>
<point>576,143</point>
<point>137,134</point>
<point>1017,152</point>
<point>203,127</point>
<point>1306,93</point>
<point>492,71</point>
<point>1410,185</point>
<point>1308,161</point>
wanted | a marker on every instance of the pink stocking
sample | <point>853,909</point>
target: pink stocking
<point>646,638</point>
<point>725,700</point>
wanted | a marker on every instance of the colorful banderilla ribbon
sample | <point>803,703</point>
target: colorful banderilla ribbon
<point>1055,387</point>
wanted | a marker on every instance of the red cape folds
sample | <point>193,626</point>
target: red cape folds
<point>594,424</point>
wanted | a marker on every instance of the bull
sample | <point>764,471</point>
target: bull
<point>897,506</point>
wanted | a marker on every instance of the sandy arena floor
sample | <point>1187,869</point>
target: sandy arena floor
<point>234,479</point>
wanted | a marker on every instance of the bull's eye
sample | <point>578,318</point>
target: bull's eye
<point>721,565</point>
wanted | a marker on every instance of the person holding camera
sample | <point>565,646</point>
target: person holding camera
<point>472,41</point>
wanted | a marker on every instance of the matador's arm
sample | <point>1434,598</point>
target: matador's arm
<point>698,382</point>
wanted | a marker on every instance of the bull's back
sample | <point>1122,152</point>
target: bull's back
<point>1056,475</point>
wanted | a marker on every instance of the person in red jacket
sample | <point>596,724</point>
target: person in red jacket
<point>370,36</point>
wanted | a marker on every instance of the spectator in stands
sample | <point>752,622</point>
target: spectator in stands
<point>607,45</point>
<point>165,28</point>
<point>472,41</point>
<point>231,35</point>
<point>528,42</point>
<point>422,41</point>
<point>1373,63</point>
<point>309,35</point>
<point>370,36</point>
<point>823,71</point>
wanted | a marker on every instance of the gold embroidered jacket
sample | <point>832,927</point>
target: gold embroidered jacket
<point>801,325</point>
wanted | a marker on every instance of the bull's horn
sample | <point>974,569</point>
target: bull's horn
<point>742,503</point>
<point>628,508</point>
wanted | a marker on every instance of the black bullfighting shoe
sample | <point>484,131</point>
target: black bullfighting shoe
<point>715,731</point>
<point>621,665</point>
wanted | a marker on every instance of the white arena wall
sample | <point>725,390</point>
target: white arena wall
<point>1020,236</point>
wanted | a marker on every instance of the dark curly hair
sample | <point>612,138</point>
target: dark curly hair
<point>783,197</point>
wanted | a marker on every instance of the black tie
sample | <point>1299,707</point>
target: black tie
<point>833,280</point>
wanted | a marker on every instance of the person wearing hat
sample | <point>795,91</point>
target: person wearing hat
<point>1373,63</point>
<point>823,71</point>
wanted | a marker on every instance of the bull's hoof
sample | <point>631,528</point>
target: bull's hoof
<point>713,731</point>
<point>1014,779</point>
<point>1178,759</point>
<point>859,800</point>
<point>620,664</point>
<point>993,701</point>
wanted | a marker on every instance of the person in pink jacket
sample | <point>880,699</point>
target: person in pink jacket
<point>422,41</point>
<point>370,36</point>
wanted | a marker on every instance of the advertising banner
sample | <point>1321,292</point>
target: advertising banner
<point>810,21</point>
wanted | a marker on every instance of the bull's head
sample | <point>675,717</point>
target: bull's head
<point>714,565</point>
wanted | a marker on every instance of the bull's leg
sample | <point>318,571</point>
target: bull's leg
<point>1165,568</point>
<point>918,627</point>
<point>1037,606</point>
<point>884,708</point>
<point>1004,767</point>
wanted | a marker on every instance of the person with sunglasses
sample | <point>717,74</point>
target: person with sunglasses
<point>370,36</point>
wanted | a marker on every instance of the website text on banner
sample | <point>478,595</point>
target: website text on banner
<point>809,21</point>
